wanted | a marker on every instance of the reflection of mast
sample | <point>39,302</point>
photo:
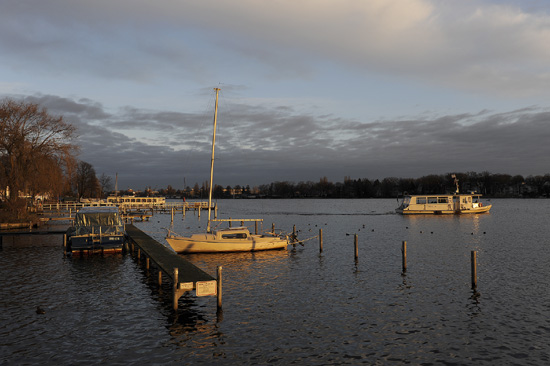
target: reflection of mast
<point>212,161</point>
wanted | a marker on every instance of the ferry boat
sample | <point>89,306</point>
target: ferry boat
<point>443,204</point>
<point>136,202</point>
<point>96,230</point>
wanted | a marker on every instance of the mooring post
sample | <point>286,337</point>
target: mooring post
<point>172,215</point>
<point>256,227</point>
<point>356,246</point>
<point>320,240</point>
<point>175,290</point>
<point>230,222</point>
<point>216,211</point>
<point>147,263</point>
<point>474,269</point>
<point>273,228</point>
<point>200,211</point>
<point>64,243</point>
<point>404,257</point>
<point>219,287</point>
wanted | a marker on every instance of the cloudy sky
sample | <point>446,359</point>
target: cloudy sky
<point>309,88</point>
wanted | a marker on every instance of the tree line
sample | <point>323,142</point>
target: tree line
<point>486,183</point>
<point>38,159</point>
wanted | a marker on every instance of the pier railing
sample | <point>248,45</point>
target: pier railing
<point>74,206</point>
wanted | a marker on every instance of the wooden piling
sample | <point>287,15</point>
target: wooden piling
<point>356,246</point>
<point>320,240</point>
<point>474,269</point>
<point>404,256</point>
<point>147,263</point>
<point>219,288</point>
<point>256,227</point>
<point>160,278</point>
<point>273,228</point>
<point>175,290</point>
<point>172,215</point>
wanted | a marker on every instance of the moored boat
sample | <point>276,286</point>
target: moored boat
<point>233,239</point>
<point>96,230</point>
<point>223,240</point>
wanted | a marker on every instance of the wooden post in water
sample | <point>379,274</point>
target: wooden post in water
<point>256,227</point>
<point>216,211</point>
<point>160,277</point>
<point>219,288</point>
<point>199,211</point>
<point>404,256</point>
<point>172,215</point>
<point>356,246</point>
<point>230,222</point>
<point>320,240</point>
<point>474,269</point>
<point>273,228</point>
<point>175,290</point>
<point>147,263</point>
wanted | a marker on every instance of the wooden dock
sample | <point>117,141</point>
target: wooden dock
<point>184,275</point>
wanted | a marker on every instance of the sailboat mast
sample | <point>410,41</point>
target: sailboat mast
<point>212,161</point>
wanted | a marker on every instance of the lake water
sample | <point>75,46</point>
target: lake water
<point>298,306</point>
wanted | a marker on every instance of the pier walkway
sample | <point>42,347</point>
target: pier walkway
<point>184,275</point>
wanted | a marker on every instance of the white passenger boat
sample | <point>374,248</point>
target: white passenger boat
<point>96,229</point>
<point>443,204</point>
<point>238,239</point>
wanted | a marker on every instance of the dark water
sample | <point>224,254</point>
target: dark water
<point>298,306</point>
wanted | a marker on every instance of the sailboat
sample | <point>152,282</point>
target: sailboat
<point>232,239</point>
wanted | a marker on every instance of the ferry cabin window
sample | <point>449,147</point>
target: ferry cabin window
<point>234,236</point>
<point>432,199</point>
<point>421,200</point>
<point>442,200</point>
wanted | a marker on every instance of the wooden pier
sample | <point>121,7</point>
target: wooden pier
<point>184,275</point>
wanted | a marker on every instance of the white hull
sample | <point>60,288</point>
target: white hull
<point>409,211</point>
<point>224,241</point>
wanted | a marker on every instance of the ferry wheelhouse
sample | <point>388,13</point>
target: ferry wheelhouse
<point>443,204</point>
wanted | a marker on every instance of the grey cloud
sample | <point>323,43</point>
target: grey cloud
<point>262,145</point>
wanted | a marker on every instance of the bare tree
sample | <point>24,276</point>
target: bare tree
<point>105,183</point>
<point>31,140</point>
<point>86,181</point>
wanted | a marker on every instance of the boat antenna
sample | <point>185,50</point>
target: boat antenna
<point>212,161</point>
<point>456,182</point>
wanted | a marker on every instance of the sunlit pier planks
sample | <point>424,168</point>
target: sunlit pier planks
<point>183,274</point>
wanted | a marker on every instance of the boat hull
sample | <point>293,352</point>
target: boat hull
<point>478,210</point>
<point>203,245</point>
<point>113,243</point>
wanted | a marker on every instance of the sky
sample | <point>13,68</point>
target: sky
<point>308,88</point>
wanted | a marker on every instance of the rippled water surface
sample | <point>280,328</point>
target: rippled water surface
<point>298,306</point>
